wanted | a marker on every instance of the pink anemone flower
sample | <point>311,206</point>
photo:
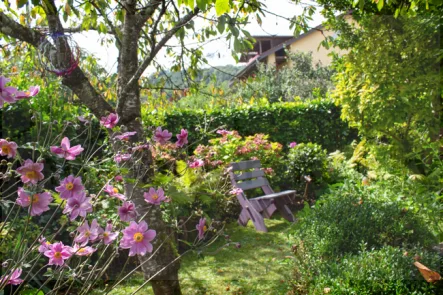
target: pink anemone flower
<point>33,91</point>
<point>108,235</point>
<point>88,233</point>
<point>127,211</point>
<point>162,136</point>
<point>113,192</point>
<point>292,144</point>
<point>66,151</point>
<point>110,121</point>
<point>37,203</point>
<point>201,228</point>
<point>70,186</point>
<point>197,163</point>
<point>155,197</point>
<point>31,172</point>
<point>182,138</point>
<point>58,253</point>
<point>7,93</point>
<point>125,136</point>
<point>122,157</point>
<point>44,245</point>
<point>13,278</point>
<point>78,205</point>
<point>82,251</point>
<point>8,148</point>
<point>137,238</point>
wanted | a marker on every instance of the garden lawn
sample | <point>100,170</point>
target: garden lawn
<point>259,266</point>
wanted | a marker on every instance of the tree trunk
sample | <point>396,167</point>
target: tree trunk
<point>163,267</point>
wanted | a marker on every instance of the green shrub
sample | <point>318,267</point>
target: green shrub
<point>388,270</point>
<point>317,121</point>
<point>307,159</point>
<point>340,222</point>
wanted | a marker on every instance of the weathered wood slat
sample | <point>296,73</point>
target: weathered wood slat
<point>245,165</point>
<point>249,175</point>
<point>250,184</point>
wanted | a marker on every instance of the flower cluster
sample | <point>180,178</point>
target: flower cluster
<point>11,94</point>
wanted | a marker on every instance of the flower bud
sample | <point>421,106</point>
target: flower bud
<point>237,245</point>
<point>72,234</point>
<point>109,221</point>
<point>89,267</point>
<point>4,162</point>
<point>5,264</point>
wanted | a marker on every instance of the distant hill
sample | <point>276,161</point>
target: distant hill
<point>177,79</point>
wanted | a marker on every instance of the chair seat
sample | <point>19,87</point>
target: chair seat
<point>275,195</point>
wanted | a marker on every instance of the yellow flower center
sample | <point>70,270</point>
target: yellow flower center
<point>48,243</point>
<point>31,174</point>
<point>81,250</point>
<point>27,92</point>
<point>34,199</point>
<point>115,190</point>
<point>87,233</point>
<point>205,228</point>
<point>105,235</point>
<point>69,186</point>
<point>5,149</point>
<point>155,197</point>
<point>138,237</point>
<point>58,255</point>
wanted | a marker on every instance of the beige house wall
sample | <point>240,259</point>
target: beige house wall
<point>311,43</point>
<point>270,61</point>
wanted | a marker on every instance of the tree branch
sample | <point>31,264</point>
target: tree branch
<point>76,81</point>
<point>109,23</point>
<point>183,21</point>
<point>148,11</point>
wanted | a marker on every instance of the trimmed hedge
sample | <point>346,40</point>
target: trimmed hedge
<point>317,122</point>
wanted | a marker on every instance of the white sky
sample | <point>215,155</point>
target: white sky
<point>217,52</point>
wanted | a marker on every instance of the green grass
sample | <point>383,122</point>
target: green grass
<point>258,267</point>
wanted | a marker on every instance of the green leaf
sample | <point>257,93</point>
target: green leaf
<point>202,4</point>
<point>221,7</point>
<point>21,3</point>
<point>380,4</point>
<point>221,24</point>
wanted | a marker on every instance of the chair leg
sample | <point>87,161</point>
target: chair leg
<point>243,218</point>
<point>258,220</point>
<point>284,210</point>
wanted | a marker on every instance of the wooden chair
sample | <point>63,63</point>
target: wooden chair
<point>257,209</point>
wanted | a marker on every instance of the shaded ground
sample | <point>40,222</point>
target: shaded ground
<point>258,267</point>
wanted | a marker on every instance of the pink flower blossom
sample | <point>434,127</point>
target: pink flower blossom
<point>182,138</point>
<point>155,197</point>
<point>201,228</point>
<point>113,192</point>
<point>70,186</point>
<point>109,121</point>
<point>197,163</point>
<point>33,91</point>
<point>8,148</point>
<point>88,234</point>
<point>137,238</point>
<point>236,191</point>
<point>78,205</point>
<point>268,170</point>
<point>118,178</point>
<point>7,93</point>
<point>121,157</point>
<point>108,235</point>
<point>58,253</point>
<point>140,147</point>
<point>44,245</point>
<point>31,172</point>
<point>127,211</point>
<point>66,151</point>
<point>83,119</point>
<point>82,251</point>
<point>162,136</point>
<point>37,204</point>
<point>292,144</point>
<point>125,136</point>
<point>223,132</point>
<point>13,278</point>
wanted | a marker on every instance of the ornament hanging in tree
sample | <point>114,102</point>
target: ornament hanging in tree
<point>59,54</point>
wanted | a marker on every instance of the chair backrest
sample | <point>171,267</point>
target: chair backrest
<point>247,180</point>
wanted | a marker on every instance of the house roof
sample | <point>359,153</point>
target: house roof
<point>252,64</point>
